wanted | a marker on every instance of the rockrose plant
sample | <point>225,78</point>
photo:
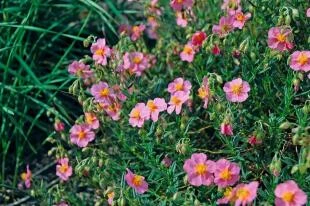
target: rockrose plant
<point>201,102</point>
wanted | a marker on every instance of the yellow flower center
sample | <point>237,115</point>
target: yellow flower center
<point>225,174</point>
<point>226,28</point>
<point>201,168</point>
<point>302,59</point>
<point>151,106</point>
<point>81,135</point>
<point>24,176</point>
<point>240,17</point>
<point>281,38</point>
<point>188,50</point>
<point>100,52</point>
<point>180,1</point>
<point>242,194</point>
<point>288,197</point>
<point>175,100</point>
<point>63,168</point>
<point>203,93</point>
<point>135,29</point>
<point>137,60</point>
<point>89,118</point>
<point>236,89</point>
<point>135,113</point>
<point>111,195</point>
<point>179,86</point>
<point>105,92</point>
<point>137,180</point>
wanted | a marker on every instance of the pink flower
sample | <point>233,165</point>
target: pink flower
<point>63,169</point>
<point>289,194</point>
<point>308,12</point>
<point>226,129</point>
<point>166,161</point>
<point>26,177</point>
<point>216,50</point>
<point>181,19</point>
<point>228,196</point>
<point>188,53</point>
<point>113,110</point>
<point>240,19</point>
<point>137,182</point>
<point>91,120</point>
<point>300,61</point>
<point>138,115</point>
<point>135,62</point>
<point>62,204</point>
<point>204,92</point>
<point>136,32</point>
<point>253,140</point>
<point>198,38</point>
<point>244,194</point>
<point>225,26</point>
<point>152,26</point>
<point>81,135</point>
<point>179,84</point>
<point>231,6</point>
<point>176,101</point>
<point>178,5</point>
<point>280,38</point>
<point>124,28</point>
<point>100,52</point>
<point>155,106</point>
<point>80,69</point>
<point>199,170</point>
<point>59,126</point>
<point>226,173</point>
<point>111,198</point>
<point>102,92</point>
<point>236,90</point>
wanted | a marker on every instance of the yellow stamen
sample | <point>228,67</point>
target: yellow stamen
<point>63,168</point>
<point>135,113</point>
<point>240,17</point>
<point>111,195</point>
<point>201,169</point>
<point>243,194</point>
<point>187,50</point>
<point>137,180</point>
<point>203,93</point>
<point>225,174</point>
<point>137,60</point>
<point>302,59</point>
<point>281,38</point>
<point>236,89</point>
<point>151,106</point>
<point>105,92</point>
<point>288,197</point>
<point>175,100</point>
<point>81,135</point>
<point>100,52</point>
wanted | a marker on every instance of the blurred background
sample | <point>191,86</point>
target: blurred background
<point>38,40</point>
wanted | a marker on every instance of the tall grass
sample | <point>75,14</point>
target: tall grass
<point>38,39</point>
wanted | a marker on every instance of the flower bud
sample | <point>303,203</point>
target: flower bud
<point>285,125</point>
<point>275,166</point>
<point>295,13</point>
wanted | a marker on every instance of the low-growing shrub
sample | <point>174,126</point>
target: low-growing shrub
<point>203,103</point>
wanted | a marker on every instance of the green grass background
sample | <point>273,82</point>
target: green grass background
<point>38,40</point>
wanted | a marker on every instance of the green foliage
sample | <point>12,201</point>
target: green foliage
<point>274,112</point>
<point>38,40</point>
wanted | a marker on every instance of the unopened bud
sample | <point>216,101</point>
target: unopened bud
<point>285,125</point>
